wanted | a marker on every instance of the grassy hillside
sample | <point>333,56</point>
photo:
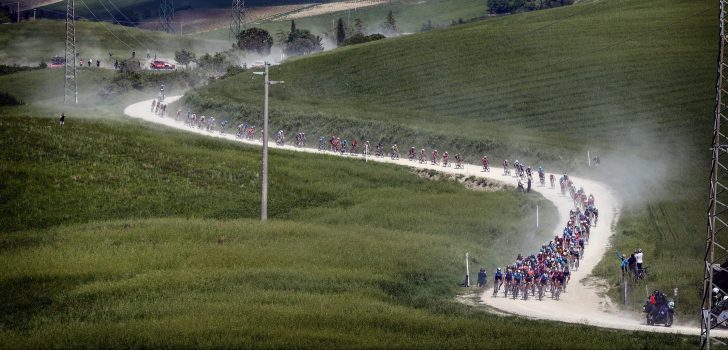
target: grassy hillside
<point>353,256</point>
<point>627,66</point>
<point>28,43</point>
<point>630,80</point>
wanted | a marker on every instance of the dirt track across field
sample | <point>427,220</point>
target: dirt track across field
<point>330,7</point>
<point>582,302</point>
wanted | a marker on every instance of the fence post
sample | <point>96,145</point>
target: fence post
<point>624,286</point>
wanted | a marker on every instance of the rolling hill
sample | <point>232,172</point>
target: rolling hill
<point>630,80</point>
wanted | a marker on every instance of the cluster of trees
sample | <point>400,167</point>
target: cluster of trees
<point>295,42</point>
<point>509,6</point>
<point>358,34</point>
<point>300,42</point>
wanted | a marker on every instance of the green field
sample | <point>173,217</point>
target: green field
<point>632,81</point>
<point>353,256</point>
<point>29,43</point>
<point>119,234</point>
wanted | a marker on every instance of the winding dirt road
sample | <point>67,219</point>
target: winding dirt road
<point>581,303</point>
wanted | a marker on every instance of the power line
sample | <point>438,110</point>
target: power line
<point>107,29</point>
<point>154,41</point>
<point>123,27</point>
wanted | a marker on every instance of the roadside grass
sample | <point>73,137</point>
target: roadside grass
<point>178,282</point>
<point>105,170</point>
<point>356,255</point>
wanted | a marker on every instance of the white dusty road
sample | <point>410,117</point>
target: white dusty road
<point>581,303</point>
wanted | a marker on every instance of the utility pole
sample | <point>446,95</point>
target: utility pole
<point>716,238</point>
<point>236,20</point>
<point>264,170</point>
<point>70,86</point>
<point>166,15</point>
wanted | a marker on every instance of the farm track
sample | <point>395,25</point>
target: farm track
<point>581,303</point>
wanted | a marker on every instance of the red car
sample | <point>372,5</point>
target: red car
<point>158,64</point>
<point>57,62</point>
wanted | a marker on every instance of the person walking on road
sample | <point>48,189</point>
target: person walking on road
<point>482,278</point>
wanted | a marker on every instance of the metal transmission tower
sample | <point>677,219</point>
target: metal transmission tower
<point>238,14</point>
<point>716,252</point>
<point>70,87</point>
<point>166,15</point>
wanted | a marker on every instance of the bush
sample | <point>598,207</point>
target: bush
<point>7,99</point>
<point>360,39</point>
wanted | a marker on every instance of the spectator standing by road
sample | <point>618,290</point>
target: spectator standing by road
<point>632,261</point>
<point>638,258</point>
<point>63,118</point>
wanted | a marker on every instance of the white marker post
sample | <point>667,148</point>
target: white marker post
<point>536,216</point>
<point>467,272</point>
<point>588,158</point>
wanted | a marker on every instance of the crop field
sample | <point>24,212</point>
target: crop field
<point>28,43</point>
<point>410,15</point>
<point>200,20</point>
<point>338,6</point>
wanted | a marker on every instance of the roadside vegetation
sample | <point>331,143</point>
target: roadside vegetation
<point>544,87</point>
<point>117,234</point>
<point>355,254</point>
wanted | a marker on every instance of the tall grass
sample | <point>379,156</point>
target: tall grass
<point>632,81</point>
<point>237,283</point>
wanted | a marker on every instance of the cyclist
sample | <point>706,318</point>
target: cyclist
<point>411,154</point>
<point>543,282</point>
<point>445,158</point>
<point>435,157</point>
<point>517,277</point>
<point>528,282</point>
<point>423,156</point>
<point>497,280</point>
<point>223,124</point>
<point>395,152</point>
<point>509,280</point>
<point>484,160</point>
<point>506,170</point>
<point>567,276</point>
